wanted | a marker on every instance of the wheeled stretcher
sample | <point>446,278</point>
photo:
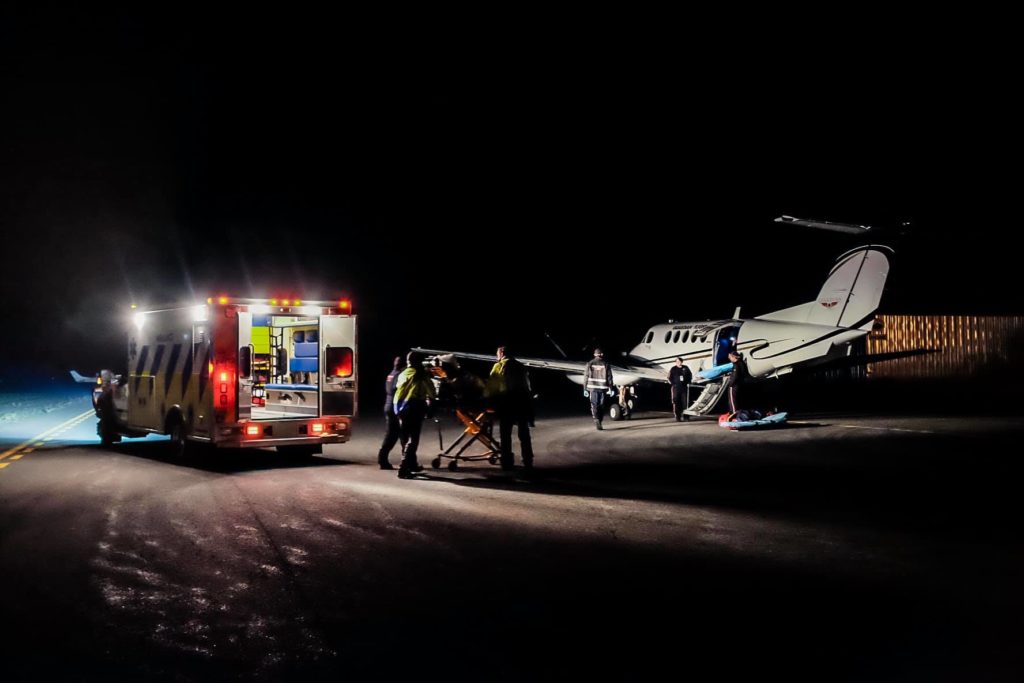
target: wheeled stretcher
<point>479,429</point>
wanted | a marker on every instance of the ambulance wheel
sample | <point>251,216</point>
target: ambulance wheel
<point>108,437</point>
<point>616,413</point>
<point>436,463</point>
<point>453,465</point>
<point>179,446</point>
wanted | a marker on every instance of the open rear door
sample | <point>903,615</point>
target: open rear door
<point>338,379</point>
<point>245,367</point>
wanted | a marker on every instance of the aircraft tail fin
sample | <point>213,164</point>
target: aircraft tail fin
<point>850,295</point>
<point>82,379</point>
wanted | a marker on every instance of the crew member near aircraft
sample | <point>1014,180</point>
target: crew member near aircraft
<point>508,388</point>
<point>678,377</point>
<point>597,382</point>
<point>413,393</point>
<point>392,429</point>
<point>739,375</point>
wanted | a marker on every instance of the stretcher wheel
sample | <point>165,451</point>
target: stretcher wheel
<point>493,459</point>
<point>436,462</point>
<point>453,465</point>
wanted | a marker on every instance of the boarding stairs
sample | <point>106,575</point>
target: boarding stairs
<point>711,393</point>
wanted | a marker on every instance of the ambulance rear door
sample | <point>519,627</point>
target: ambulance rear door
<point>338,380</point>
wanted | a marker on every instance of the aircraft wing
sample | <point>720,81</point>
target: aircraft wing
<point>865,359</point>
<point>825,225</point>
<point>574,369</point>
<point>882,357</point>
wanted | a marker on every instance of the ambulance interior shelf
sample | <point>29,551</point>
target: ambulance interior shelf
<point>286,366</point>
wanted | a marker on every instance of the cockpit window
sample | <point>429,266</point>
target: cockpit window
<point>650,336</point>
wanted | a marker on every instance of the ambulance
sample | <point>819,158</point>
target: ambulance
<point>237,373</point>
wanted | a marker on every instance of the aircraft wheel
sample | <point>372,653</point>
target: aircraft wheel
<point>615,412</point>
<point>436,462</point>
<point>493,459</point>
<point>453,465</point>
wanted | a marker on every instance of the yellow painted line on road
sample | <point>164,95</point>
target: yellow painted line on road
<point>19,456</point>
<point>4,464</point>
<point>39,439</point>
<point>27,450</point>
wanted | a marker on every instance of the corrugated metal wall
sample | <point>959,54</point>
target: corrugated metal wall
<point>966,344</point>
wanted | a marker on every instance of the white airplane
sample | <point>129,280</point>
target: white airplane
<point>773,344</point>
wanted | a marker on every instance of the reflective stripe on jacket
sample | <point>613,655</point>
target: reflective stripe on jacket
<point>598,376</point>
<point>413,387</point>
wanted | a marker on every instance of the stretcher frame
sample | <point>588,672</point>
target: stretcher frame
<point>477,429</point>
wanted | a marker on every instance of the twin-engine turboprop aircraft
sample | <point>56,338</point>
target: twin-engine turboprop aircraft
<point>773,344</point>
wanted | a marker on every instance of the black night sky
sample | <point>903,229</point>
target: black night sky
<point>469,192</point>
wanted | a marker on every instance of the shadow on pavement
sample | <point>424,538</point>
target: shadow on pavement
<point>222,461</point>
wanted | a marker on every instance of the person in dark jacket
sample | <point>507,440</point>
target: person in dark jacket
<point>678,377</point>
<point>508,389</point>
<point>597,383</point>
<point>739,376</point>
<point>392,430</point>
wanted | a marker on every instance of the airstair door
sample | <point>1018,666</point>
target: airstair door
<point>338,362</point>
<point>245,365</point>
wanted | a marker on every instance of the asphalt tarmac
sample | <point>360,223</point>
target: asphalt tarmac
<point>839,547</point>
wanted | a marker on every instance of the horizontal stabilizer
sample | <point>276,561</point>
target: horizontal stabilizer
<point>825,225</point>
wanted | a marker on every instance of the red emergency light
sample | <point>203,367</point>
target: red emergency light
<point>317,427</point>
<point>252,430</point>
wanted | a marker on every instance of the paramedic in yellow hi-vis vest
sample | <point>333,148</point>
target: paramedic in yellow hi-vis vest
<point>597,383</point>
<point>413,393</point>
<point>508,390</point>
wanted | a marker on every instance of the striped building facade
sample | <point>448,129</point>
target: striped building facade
<point>965,344</point>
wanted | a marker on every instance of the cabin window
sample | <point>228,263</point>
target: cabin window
<point>675,337</point>
<point>686,335</point>
<point>668,335</point>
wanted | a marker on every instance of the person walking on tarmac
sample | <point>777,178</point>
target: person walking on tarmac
<point>597,382</point>
<point>678,377</point>
<point>413,393</point>
<point>508,388</point>
<point>392,429</point>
